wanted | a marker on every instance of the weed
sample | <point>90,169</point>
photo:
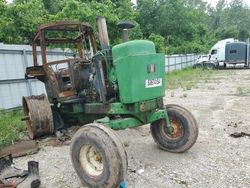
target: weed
<point>11,126</point>
<point>126,143</point>
<point>211,87</point>
<point>240,91</point>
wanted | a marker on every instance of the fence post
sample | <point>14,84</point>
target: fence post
<point>174,62</point>
<point>181,62</point>
<point>186,60</point>
<point>25,64</point>
<point>168,65</point>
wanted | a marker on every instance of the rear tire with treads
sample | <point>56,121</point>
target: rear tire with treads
<point>38,115</point>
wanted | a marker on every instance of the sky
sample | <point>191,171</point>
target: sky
<point>212,2</point>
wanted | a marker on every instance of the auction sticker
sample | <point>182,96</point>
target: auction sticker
<point>153,82</point>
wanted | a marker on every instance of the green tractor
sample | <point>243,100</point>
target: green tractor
<point>110,88</point>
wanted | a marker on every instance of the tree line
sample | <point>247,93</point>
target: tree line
<point>176,26</point>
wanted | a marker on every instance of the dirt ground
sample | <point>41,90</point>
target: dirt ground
<point>221,106</point>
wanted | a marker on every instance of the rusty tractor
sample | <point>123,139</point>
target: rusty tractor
<point>102,88</point>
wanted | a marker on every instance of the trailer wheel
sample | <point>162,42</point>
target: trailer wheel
<point>98,156</point>
<point>38,116</point>
<point>210,66</point>
<point>184,131</point>
<point>198,66</point>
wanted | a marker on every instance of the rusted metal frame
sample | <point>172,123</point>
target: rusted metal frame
<point>79,42</point>
<point>43,46</point>
<point>34,54</point>
<point>60,40</point>
<point>36,37</point>
<point>80,37</point>
<point>68,61</point>
<point>52,77</point>
<point>63,61</point>
<point>25,61</point>
<point>35,71</point>
<point>93,42</point>
<point>78,46</point>
<point>55,25</point>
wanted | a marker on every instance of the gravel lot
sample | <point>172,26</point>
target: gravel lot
<point>220,105</point>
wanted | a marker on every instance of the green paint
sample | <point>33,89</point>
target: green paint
<point>122,123</point>
<point>131,65</point>
<point>132,61</point>
<point>129,122</point>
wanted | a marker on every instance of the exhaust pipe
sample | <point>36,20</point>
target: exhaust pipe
<point>103,32</point>
<point>125,26</point>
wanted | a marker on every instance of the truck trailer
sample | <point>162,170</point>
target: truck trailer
<point>226,53</point>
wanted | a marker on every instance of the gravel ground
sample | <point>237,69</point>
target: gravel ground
<point>220,105</point>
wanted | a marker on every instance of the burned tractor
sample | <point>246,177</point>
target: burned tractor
<point>111,88</point>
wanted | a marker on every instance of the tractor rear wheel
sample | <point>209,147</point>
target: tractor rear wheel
<point>183,133</point>
<point>98,156</point>
<point>38,116</point>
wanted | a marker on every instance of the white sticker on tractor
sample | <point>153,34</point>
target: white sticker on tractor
<point>153,83</point>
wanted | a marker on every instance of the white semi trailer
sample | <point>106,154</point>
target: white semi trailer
<point>226,53</point>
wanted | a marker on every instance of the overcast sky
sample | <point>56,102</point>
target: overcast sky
<point>212,2</point>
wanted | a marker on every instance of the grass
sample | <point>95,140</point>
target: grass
<point>11,127</point>
<point>242,91</point>
<point>187,78</point>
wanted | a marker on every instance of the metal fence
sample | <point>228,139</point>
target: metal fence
<point>15,58</point>
<point>180,61</point>
<point>13,62</point>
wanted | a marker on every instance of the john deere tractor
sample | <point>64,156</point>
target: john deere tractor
<point>102,88</point>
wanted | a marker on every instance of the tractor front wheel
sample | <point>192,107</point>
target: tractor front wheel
<point>181,135</point>
<point>98,156</point>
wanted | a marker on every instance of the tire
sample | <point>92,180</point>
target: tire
<point>210,66</point>
<point>198,66</point>
<point>185,130</point>
<point>98,156</point>
<point>38,116</point>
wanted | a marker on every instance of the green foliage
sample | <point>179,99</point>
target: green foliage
<point>19,21</point>
<point>23,16</point>
<point>176,26</point>
<point>158,41</point>
<point>230,20</point>
<point>12,127</point>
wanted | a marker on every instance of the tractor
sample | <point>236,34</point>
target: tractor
<point>103,89</point>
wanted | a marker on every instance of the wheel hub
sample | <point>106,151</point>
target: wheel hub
<point>175,131</point>
<point>91,160</point>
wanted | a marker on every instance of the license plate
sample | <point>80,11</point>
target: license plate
<point>153,83</point>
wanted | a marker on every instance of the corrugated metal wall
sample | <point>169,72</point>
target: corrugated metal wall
<point>15,58</point>
<point>180,61</point>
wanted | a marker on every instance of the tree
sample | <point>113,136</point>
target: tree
<point>158,41</point>
<point>147,10</point>
<point>21,20</point>
<point>181,26</point>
